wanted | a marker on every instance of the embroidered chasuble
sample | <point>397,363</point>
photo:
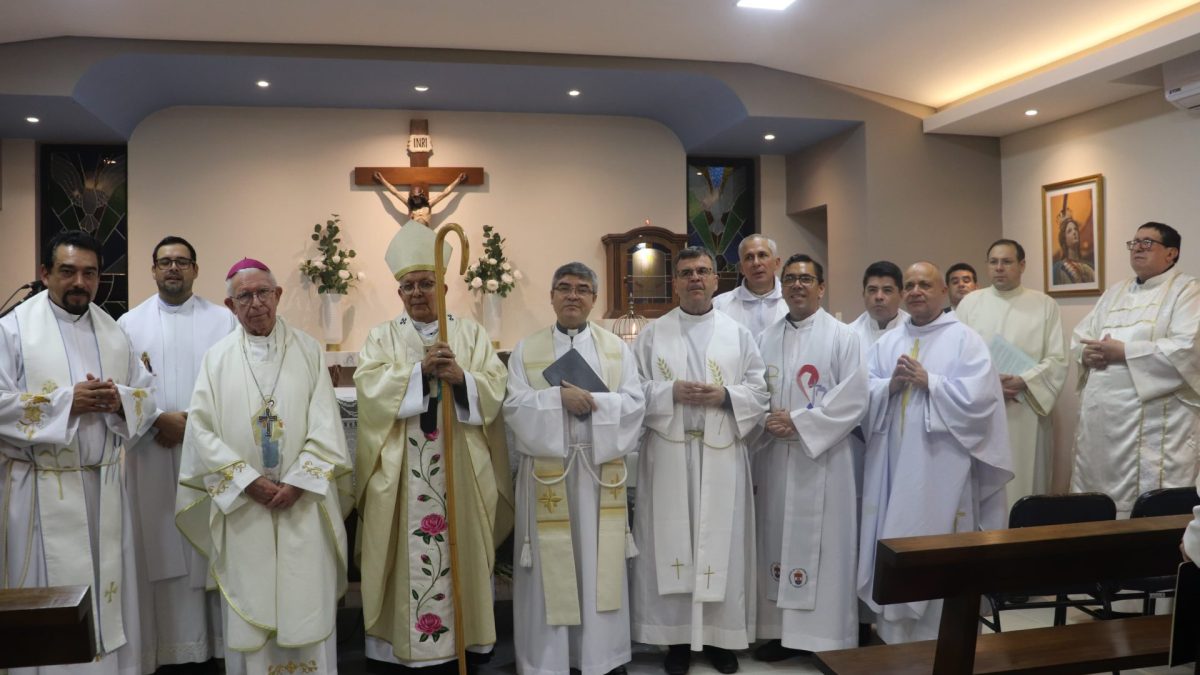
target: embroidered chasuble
<point>755,312</point>
<point>937,459</point>
<point>693,580</point>
<point>1139,421</point>
<point>570,604</point>
<point>280,572</point>
<point>1029,321</point>
<point>805,490</point>
<point>401,491</point>
<point>63,518</point>
<point>170,341</point>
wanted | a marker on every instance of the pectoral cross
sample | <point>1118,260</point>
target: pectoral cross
<point>550,500</point>
<point>266,440</point>
<point>677,565</point>
<point>708,577</point>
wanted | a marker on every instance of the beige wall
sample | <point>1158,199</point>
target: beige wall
<point>1149,153</point>
<point>253,181</point>
<point>18,188</point>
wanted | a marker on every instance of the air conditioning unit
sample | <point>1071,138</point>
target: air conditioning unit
<point>1181,82</point>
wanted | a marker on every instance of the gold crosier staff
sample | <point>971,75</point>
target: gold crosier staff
<point>448,419</point>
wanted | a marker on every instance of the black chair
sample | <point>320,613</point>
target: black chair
<point>1161,502</point>
<point>1036,510</point>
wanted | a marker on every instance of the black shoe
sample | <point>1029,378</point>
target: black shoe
<point>619,670</point>
<point>678,661</point>
<point>773,650</point>
<point>723,660</point>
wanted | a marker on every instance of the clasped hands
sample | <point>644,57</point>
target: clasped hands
<point>1099,354</point>
<point>95,395</point>
<point>909,371</point>
<point>439,362</point>
<point>780,425</point>
<point>273,495</point>
<point>698,393</point>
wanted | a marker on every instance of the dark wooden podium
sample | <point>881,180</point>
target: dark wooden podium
<point>46,626</point>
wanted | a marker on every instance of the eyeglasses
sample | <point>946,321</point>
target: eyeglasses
<point>802,279</point>
<point>181,263</point>
<point>694,272</point>
<point>426,286</point>
<point>246,298</point>
<point>568,289</point>
<point>1143,244</point>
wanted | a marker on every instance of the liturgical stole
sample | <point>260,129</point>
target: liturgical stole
<point>677,572</point>
<point>61,506</point>
<point>559,587</point>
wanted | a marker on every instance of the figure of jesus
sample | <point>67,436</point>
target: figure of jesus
<point>420,206</point>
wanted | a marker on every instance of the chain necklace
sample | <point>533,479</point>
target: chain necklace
<point>268,400</point>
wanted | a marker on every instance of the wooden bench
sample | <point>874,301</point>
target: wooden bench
<point>46,626</point>
<point>962,567</point>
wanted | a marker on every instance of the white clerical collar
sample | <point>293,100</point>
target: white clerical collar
<point>805,322</point>
<point>427,331</point>
<point>942,319</point>
<point>1154,281</point>
<point>746,295</point>
<point>570,332</point>
<point>183,307</point>
<point>263,347</point>
<point>63,315</point>
<point>695,318</point>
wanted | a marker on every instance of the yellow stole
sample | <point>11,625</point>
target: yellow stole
<point>560,591</point>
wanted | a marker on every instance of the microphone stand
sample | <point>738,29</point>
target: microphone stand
<point>34,289</point>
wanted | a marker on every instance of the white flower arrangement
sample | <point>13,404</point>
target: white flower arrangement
<point>330,271</point>
<point>492,273</point>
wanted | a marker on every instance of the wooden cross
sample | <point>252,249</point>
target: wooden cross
<point>708,577</point>
<point>677,565</point>
<point>418,173</point>
<point>550,500</point>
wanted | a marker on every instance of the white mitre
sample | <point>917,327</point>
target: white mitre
<point>411,250</point>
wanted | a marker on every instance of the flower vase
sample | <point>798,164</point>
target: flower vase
<point>491,316</point>
<point>331,318</point>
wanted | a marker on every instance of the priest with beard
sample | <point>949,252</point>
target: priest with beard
<point>72,393</point>
<point>937,454</point>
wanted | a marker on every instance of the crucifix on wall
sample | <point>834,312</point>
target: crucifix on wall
<point>418,176</point>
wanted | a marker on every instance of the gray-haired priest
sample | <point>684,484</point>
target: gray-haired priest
<point>693,582</point>
<point>574,408</point>
<point>405,376</point>
<point>258,492</point>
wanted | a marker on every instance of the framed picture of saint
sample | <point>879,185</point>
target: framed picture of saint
<point>1073,236</point>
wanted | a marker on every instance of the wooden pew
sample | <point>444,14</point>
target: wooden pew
<point>46,626</point>
<point>962,567</point>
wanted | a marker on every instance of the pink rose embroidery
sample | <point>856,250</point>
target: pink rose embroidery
<point>428,623</point>
<point>432,436</point>
<point>433,524</point>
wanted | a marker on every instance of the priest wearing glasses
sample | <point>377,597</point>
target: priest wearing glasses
<point>693,580</point>
<point>405,376</point>
<point>574,408</point>
<point>1139,412</point>
<point>262,455</point>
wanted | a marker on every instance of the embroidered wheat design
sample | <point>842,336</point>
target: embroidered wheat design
<point>665,369</point>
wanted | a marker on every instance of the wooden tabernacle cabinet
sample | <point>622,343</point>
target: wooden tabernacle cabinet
<point>640,264</point>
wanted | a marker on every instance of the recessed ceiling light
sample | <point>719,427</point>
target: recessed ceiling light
<point>1031,112</point>
<point>573,92</point>
<point>32,120</point>
<point>769,137</point>
<point>263,84</point>
<point>421,87</point>
<point>766,4</point>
